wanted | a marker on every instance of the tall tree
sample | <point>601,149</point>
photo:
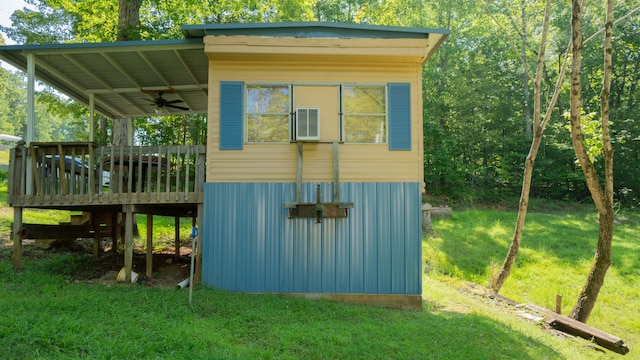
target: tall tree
<point>538,128</point>
<point>128,29</point>
<point>603,198</point>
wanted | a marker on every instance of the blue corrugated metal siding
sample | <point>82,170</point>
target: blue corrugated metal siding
<point>250,245</point>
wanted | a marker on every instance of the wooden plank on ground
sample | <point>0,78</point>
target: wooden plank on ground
<point>580,329</point>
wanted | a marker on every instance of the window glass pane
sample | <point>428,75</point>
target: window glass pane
<point>369,129</point>
<point>267,128</point>
<point>364,99</point>
<point>365,114</point>
<point>267,113</point>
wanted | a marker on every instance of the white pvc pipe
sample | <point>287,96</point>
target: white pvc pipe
<point>183,284</point>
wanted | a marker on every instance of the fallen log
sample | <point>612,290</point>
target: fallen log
<point>580,329</point>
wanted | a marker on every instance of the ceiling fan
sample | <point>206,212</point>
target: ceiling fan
<point>160,102</point>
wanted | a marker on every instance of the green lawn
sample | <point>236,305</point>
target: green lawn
<point>53,313</point>
<point>50,313</point>
<point>555,256</point>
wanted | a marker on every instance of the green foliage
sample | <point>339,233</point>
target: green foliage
<point>13,105</point>
<point>176,129</point>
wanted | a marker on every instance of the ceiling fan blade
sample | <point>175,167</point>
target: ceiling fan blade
<point>174,101</point>
<point>177,107</point>
<point>157,90</point>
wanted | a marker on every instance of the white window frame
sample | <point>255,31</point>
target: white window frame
<point>343,114</point>
<point>246,114</point>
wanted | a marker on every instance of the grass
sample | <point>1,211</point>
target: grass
<point>50,315</point>
<point>555,257</point>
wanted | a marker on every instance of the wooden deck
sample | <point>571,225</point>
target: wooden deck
<point>104,176</point>
<point>105,181</point>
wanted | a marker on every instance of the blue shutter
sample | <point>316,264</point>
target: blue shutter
<point>399,116</point>
<point>231,117</point>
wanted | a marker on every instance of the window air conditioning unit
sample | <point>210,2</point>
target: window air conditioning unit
<point>307,124</point>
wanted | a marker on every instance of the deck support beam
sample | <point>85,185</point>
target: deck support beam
<point>128,242</point>
<point>17,238</point>
<point>176,248</point>
<point>149,245</point>
<point>96,235</point>
<point>115,230</point>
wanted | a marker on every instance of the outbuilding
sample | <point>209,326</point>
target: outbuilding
<point>314,157</point>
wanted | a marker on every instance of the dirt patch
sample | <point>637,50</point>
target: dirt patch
<point>167,269</point>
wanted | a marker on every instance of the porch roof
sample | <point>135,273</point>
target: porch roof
<point>122,76</point>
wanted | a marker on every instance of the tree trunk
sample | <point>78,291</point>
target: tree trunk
<point>129,20</point>
<point>505,270</point>
<point>525,79</point>
<point>603,199</point>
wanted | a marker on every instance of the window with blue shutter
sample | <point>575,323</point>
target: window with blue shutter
<point>231,117</point>
<point>399,98</point>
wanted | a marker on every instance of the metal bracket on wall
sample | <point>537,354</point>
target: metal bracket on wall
<point>319,209</point>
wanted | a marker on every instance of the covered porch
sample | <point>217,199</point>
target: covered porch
<point>108,184</point>
<point>118,81</point>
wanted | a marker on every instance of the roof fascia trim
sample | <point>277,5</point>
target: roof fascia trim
<point>309,29</point>
<point>146,45</point>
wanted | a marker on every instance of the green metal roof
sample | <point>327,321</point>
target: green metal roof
<point>310,29</point>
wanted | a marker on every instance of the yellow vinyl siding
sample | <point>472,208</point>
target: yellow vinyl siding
<point>325,98</point>
<point>278,162</point>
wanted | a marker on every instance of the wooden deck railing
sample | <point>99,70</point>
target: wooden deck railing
<point>80,174</point>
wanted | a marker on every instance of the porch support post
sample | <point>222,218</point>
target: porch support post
<point>128,242</point>
<point>96,235</point>
<point>92,126</point>
<point>115,231</point>
<point>130,131</point>
<point>31,97</point>
<point>176,247</point>
<point>149,245</point>
<point>31,114</point>
<point>17,238</point>
<point>200,221</point>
